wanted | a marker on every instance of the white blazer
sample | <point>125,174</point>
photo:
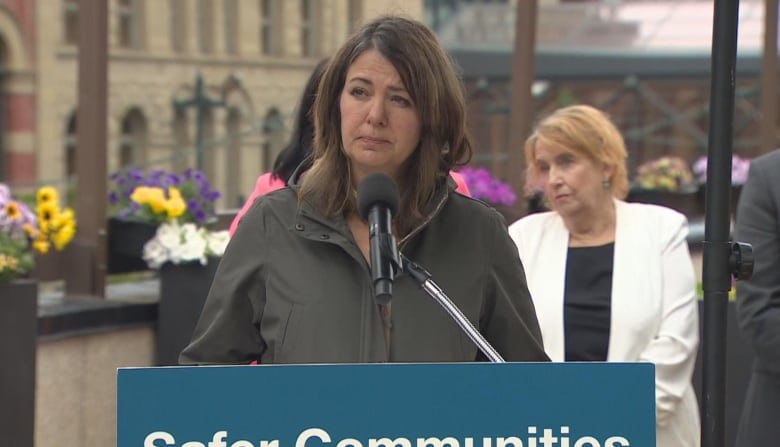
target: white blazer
<point>654,314</point>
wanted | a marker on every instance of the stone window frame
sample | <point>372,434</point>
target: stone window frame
<point>129,26</point>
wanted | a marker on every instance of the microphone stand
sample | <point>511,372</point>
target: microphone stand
<point>424,279</point>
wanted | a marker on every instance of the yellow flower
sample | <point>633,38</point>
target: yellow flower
<point>12,210</point>
<point>157,201</point>
<point>47,195</point>
<point>30,230</point>
<point>175,205</point>
<point>47,212</point>
<point>152,196</point>
<point>140,194</point>
<point>68,215</point>
<point>63,236</point>
<point>8,262</point>
<point>41,244</point>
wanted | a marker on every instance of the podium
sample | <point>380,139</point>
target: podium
<point>388,405</point>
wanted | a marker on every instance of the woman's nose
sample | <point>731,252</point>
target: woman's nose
<point>377,115</point>
<point>554,177</point>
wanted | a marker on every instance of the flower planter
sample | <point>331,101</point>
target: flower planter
<point>183,290</point>
<point>126,241</point>
<point>687,203</point>
<point>735,191</point>
<point>18,344</point>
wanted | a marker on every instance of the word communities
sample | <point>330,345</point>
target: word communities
<point>317,437</point>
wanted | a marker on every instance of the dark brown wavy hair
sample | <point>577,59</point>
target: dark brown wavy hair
<point>433,83</point>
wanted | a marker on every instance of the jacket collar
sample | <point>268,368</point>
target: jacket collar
<point>307,211</point>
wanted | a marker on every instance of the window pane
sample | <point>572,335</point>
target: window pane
<point>205,31</point>
<point>177,25</point>
<point>267,42</point>
<point>71,22</point>
<point>231,20</point>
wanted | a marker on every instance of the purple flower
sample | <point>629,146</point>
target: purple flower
<point>739,169</point>
<point>485,187</point>
<point>193,185</point>
<point>201,215</point>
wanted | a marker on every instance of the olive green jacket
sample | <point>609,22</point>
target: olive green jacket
<point>293,287</point>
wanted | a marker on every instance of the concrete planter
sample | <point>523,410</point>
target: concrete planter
<point>18,343</point>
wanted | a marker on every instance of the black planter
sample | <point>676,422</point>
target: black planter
<point>18,344</point>
<point>183,290</point>
<point>688,203</point>
<point>126,241</point>
<point>735,191</point>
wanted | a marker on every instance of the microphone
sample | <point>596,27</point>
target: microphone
<point>377,202</point>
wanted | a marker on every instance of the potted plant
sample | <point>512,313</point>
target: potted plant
<point>139,202</point>
<point>666,181</point>
<point>187,256</point>
<point>484,186</point>
<point>22,233</point>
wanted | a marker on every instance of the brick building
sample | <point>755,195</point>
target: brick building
<point>253,56</point>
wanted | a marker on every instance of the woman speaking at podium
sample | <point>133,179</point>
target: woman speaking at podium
<point>295,283</point>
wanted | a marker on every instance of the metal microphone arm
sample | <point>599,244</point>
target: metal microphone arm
<point>424,279</point>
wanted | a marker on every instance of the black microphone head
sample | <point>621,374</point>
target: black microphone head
<point>377,188</point>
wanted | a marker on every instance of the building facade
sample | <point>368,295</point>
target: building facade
<point>252,57</point>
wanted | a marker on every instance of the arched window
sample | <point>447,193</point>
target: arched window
<point>230,30</point>
<point>71,147</point>
<point>354,14</point>
<point>3,100</point>
<point>132,146</point>
<point>178,25</point>
<point>209,148</point>
<point>310,28</point>
<point>182,143</point>
<point>232,157</point>
<point>130,24</point>
<point>269,28</point>
<point>205,26</point>
<point>273,129</point>
<point>70,21</point>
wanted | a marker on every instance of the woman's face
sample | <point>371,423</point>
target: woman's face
<point>380,127</point>
<point>573,183</point>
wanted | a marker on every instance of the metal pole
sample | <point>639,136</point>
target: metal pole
<point>522,107</point>
<point>769,80</point>
<point>716,269</point>
<point>85,272</point>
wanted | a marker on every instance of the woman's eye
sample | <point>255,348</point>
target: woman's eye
<point>400,100</point>
<point>543,168</point>
<point>357,91</point>
<point>566,161</point>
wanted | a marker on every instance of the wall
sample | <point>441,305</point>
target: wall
<point>76,385</point>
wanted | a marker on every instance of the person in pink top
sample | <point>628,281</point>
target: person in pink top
<point>298,150</point>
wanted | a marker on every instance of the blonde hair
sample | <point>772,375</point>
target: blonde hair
<point>587,131</point>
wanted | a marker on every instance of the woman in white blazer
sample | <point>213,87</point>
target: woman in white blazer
<point>611,281</point>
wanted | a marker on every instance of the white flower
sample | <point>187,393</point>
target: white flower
<point>179,243</point>
<point>217,242</point>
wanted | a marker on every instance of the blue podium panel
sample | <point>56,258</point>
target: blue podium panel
<point>388,405</point>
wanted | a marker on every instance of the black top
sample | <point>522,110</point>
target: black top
<point>587,302</point>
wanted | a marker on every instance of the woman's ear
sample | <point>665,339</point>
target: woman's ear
<point>608,170</point>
